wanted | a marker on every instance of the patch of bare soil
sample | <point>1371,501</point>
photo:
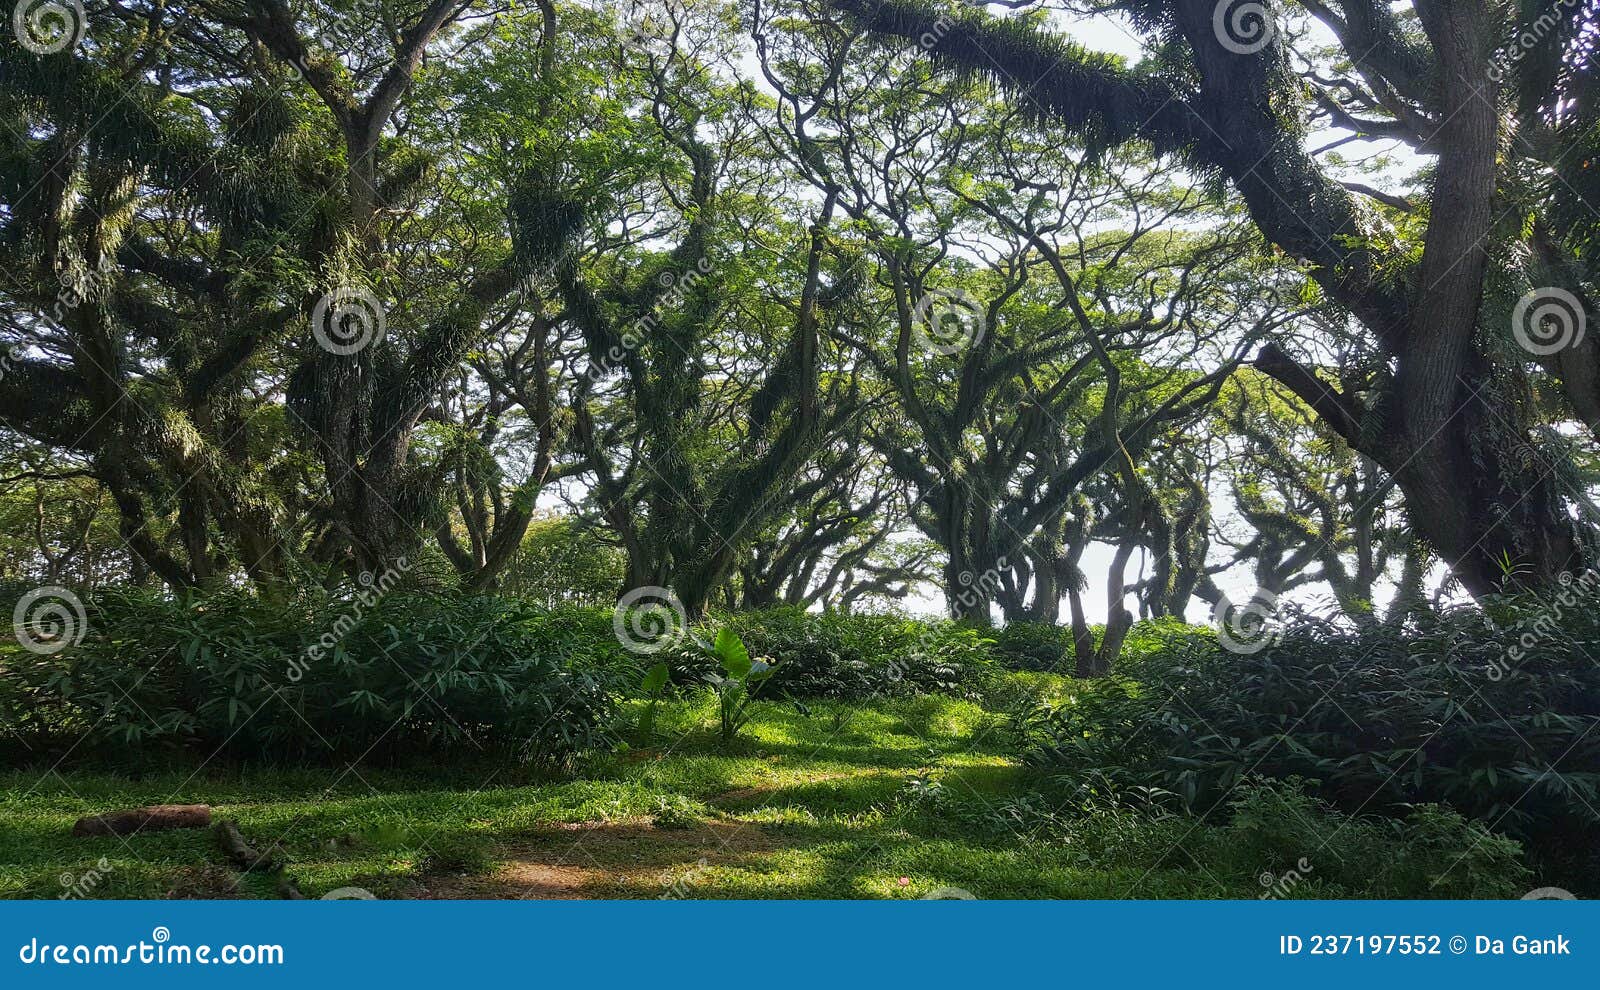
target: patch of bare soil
<point>600,860</point>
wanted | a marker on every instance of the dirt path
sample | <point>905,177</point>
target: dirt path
<point>603,859</point>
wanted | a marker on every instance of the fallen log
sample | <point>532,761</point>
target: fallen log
<point>245,858</point>
<point>151,819</point>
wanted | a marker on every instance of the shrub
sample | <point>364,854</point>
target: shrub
<point>1047,647</point>
<point>1291,837</point>
<point>833,655</point>
<point>1383,719</point>
<point>1035,646</point>
<point>328,675</point>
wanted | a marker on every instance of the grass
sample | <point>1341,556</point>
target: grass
<point>896,799</point>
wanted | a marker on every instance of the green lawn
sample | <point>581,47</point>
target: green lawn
<point>897,798</point>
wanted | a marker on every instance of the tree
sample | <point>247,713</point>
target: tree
<point>1453,411</point>
<point>1012,314</point>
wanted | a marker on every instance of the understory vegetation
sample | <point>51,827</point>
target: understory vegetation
<point>839,800</point>
<point>879,746</point>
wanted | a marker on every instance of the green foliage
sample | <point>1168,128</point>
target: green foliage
<point>737,684</point>
<point>1492,718</point>
<point>1044,646</point>
<point>1431,852</point>
<point>654,682</point>
<point>561,562</point>
<point>837,655</point>
<point>1034,646</point>
<point>321,678</point>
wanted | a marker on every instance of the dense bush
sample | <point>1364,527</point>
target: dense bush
<point>1491,717</point>
<point>1046,647</point>
<point>316,676</point>
<point>1273,836</point>
<point>1035,646</point>
<point>833,655</point>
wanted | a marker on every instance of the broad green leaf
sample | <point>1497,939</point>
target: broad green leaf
<point>654,679</point>
<point>730,650</point>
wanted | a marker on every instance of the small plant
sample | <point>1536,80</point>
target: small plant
<point>736,686</point>
<point>654,683</point>
<point>923,789</point>
<point>674,812</point>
